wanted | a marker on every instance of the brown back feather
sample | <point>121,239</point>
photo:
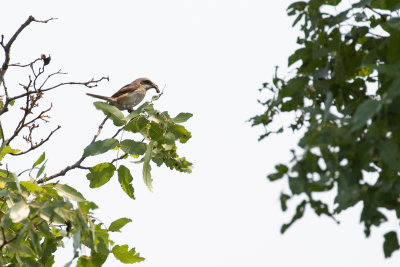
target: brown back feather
<point>127,89</point>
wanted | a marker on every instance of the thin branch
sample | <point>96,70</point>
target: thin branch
<point>90,84</point>
<point>121,157</point>
<point>76,164</point>
<point>5,241</point>
<point>373,10</point>
<point>29,105</point>
<point>5,107</point>
<point>49,76</point>
<point>7,47</point>
<point>38,223</point>
<point>21,122</point>
<point>119,130</point>
<point>24,65</point>
<point>33,147</point>
<point>2,132</point>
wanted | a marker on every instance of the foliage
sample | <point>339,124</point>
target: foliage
<point>37,213</point>
<point>344,98</point>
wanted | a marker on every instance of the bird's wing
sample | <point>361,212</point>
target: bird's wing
<point>129,88</point>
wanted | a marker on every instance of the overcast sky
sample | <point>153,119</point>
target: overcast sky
<point>212,56</point>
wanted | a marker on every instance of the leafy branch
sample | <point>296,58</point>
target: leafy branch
<point>349,131</point>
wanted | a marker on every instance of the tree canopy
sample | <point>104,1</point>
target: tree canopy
<point>39,211</point>
<point>344,99</point>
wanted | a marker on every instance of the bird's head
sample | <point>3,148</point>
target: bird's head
<point>148,84</point>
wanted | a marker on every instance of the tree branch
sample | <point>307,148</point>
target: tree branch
<point>5,241</point>
<point>7,47</point>
<point>90,84</point>
<point>34,146</point>
<point>76,164</point>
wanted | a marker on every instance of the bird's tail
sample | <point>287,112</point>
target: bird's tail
<point>101,97</point>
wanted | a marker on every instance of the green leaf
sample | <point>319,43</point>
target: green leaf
<point>182,117</point>
<point>44,229</point>
<point>155,131</point>
<point>7,150</point>
<point>138,111</point>
<point>282,169</point>
<point>328,103</point>
<point>84,261</point>
<point>39,160</point>
<point>146,166</point>
<point>112,112</point>
<point>31,187</point>
<point>98,258</point>
<point>388,151</point>
<point>169,139</point>
<point>19,211</point>
<point>69,192</point>
<point>365,111</point>
<point>137,124</point>
<point>125,179</point>
<point>391,243</point>
<point>100,147</point>
<point>180,132</point>
<point>299,213</point>
<point>49,246</point>
<point>132,147</point>
<point>86,206</point>
<point>393,91</point>
<point>283,199</point>
<point>41,170</point>
<point>125,256</point>
<point>100,174</point>
<point>116,225</point>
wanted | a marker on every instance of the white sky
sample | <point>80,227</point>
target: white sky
<point>212,56</point>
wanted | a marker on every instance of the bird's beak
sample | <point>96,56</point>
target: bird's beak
<point>156,87</point>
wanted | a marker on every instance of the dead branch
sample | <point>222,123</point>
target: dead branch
<point>36,145</point>
<point>7,47</point>
<point>30,104</point>
<point>89,84</point>
<point>24,65</point>
<point>59,72</point>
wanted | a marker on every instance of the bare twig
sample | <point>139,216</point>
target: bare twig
<point>49,76</point>
<point>76,164</point>
<point>36,145</point>
<point>89,84</point>
<point>7,47</point>
<point>24,65</point>
<point>31,102</point>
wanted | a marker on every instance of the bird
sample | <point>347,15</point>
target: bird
<point>130,95</point>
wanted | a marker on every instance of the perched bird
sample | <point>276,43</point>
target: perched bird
<point>130,95</point>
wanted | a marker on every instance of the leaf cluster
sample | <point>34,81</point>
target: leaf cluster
<point>345,97</point>
<point>35,220</point>
<point>159,134</point>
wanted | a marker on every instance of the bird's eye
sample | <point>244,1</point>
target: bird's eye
<point>147,82</point>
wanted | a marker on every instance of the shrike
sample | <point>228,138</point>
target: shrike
<point>130,95</point>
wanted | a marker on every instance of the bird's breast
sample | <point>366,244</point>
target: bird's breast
<point>130,100</point>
